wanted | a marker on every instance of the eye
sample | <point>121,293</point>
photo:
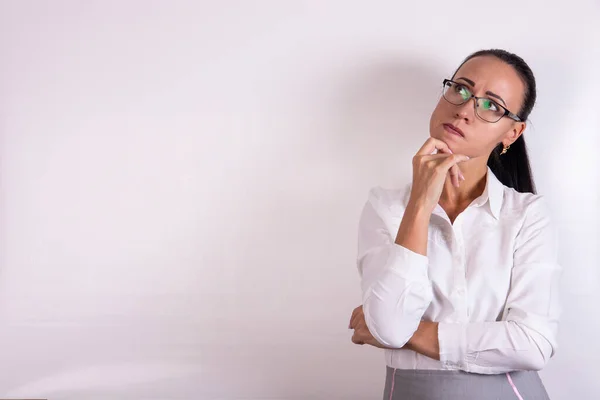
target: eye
<point>490,105</point>
<point>462,90</point>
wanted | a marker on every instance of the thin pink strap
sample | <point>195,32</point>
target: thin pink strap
<point>393,380</point>
<point>513,386</point>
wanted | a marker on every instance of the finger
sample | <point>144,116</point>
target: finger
<point>355,312</point>
<point>435,156</point>
<point>356,339</point>
<point>362,335</point>
<point>362,330</point>
<point>350,325</point>
<point>459,173</point>
<point>455,172</point>
<point>446,150</point>
<point>358,317</point>
<point>453,160</point>
<point>432,144</point>
<point>454,175</point>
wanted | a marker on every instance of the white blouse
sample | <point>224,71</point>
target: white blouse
<point>491,280</point>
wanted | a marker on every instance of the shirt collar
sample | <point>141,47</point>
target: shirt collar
<point>492,194</point>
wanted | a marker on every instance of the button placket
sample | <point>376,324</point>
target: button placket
<point>460,270</point>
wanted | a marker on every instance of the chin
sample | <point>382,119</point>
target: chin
<point>455,147</point>
<point>440,134</point>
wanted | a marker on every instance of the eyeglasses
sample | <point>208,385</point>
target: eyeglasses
<point>486,109</point>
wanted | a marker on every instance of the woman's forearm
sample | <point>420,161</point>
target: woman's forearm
<point>394,281</point>
<point>425,340</point>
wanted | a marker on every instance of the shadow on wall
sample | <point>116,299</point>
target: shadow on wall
<point>384,117</point>
<point>565,132</point>
<point>279,332</point>
<point>378,116</point>
<point>108,381</point>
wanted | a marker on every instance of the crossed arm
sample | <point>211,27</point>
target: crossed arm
<point>424,340</point>
<point>397,291</point>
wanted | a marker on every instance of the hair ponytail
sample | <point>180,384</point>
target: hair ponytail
<point>512,168</point>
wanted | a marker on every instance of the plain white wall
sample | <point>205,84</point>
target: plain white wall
<point>181,184</point>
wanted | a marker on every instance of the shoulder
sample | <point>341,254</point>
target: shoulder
<point>389,200</point>
<point>381,215</point>
<point>526,205</point>
<point>535,222</point>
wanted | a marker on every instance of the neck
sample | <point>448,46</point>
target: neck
<point>474,171</point>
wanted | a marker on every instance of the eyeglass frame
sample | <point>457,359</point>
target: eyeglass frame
<point>507,113</point>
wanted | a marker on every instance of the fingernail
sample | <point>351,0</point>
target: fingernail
<point>460,175</point>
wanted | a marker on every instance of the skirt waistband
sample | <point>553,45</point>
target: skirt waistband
<point>410,384</point>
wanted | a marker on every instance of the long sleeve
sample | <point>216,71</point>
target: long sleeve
<point>525,338</point>
<point>395,285</point>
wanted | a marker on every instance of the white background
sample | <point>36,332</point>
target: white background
<point>181,184</point>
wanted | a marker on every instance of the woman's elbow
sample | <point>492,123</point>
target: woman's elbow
<point>539,349</point>
<point>393,335</point>
<point>392,330</point>
<point>534,362</point>
<point>536,358</point>
<point>391,320</point>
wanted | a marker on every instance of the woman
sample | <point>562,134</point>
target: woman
<point>459,270</point>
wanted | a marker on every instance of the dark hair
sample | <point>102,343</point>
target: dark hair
<point>513,168</point>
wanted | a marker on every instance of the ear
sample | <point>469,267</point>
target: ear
<point>513,134</point>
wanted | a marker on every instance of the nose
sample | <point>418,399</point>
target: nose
<point>466,111</point>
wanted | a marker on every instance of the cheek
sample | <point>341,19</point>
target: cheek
<point>488,137</point>
<point>437,115</point>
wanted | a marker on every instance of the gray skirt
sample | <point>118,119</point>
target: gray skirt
<point>410,384</point>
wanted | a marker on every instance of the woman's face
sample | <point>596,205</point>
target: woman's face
<point>481,76</point>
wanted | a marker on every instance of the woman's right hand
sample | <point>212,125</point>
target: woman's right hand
<point>430,172</point>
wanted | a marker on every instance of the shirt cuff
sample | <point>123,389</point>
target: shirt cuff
<point>410,265</point>
<point>453,345</point>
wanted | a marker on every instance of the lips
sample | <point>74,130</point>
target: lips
<point>453,129</point>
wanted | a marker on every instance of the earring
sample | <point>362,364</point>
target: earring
<point>505,149</point>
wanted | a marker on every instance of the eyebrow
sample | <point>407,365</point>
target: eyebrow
<point>470,82</point>
<point>496,96</point>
